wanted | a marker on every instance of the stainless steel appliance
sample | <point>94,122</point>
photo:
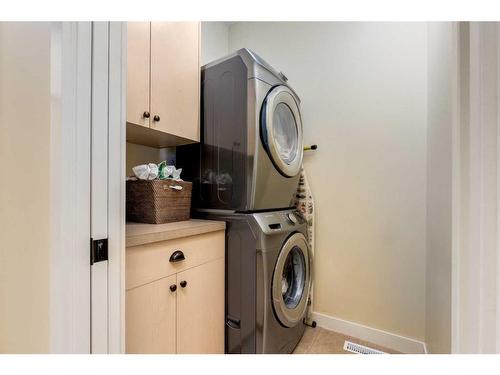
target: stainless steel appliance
<point>250,153</point>
<point>268,280</point>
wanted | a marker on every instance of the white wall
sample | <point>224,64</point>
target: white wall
<point>24,187</point>
<point>439,186</point>
<point>214,41</point>
<point>363,91</point>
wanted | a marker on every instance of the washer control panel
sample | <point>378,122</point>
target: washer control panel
<point>278,221</point>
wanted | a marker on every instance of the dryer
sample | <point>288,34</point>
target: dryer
<point>251,148</point>
<point>268,280</point>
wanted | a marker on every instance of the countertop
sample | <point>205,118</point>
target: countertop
<point>140,234</point>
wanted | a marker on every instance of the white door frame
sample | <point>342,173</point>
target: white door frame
<point>71,138</point>
<point>99,170</point>
<point>116,185</point>
<point>476,191</point>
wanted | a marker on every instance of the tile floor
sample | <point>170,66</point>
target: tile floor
<point>321,341</point>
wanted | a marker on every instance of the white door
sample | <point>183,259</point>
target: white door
<point>107,187</point>
<point>88,198</point>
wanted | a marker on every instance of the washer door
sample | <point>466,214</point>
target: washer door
<point>292,281</point>
<point>281,130</point>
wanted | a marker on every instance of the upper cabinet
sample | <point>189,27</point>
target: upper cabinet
<point>138,67</point>
<point>163,83</point>
<point>175,78</point>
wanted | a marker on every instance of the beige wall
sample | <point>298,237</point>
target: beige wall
<point>139,154</point>
<point>24,187</point>
<point>439,184</point>
<point>363,91</point>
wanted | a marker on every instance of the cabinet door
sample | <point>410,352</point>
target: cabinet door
<point>151,318</point>
<point>138,70</point>
<point>200,309</point>
<point>175,78</point>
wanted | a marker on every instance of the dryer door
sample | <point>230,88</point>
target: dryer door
<point>292,281</point>
<point>281,130</point>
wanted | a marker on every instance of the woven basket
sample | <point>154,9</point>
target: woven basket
<point>158,201</point>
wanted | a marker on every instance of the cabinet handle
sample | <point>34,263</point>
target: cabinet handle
<point>146,114</point>
<point>173,288</point>
<point>183,283</point>
<point>176,256</point>
<point>156,118</point>
<point>233,323</point>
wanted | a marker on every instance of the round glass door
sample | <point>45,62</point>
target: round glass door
<point>285,133</point>
<point>292,281</point>
<point>281,130</point>
<point>293,278</point>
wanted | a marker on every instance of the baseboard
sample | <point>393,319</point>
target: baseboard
<point>389,340</point>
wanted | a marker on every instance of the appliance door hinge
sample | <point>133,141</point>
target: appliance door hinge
<point>98,250</point>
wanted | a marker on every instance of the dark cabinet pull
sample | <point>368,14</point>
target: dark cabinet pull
<point>183,283</point>
<point>173,288</point>
<point>146,114</point>
<point>156,118</point>
<point>177,256</point>
<point>233,323</point>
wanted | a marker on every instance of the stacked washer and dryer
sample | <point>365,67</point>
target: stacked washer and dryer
<point>245,171</point>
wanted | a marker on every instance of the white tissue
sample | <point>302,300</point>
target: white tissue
<point>176,173</point>
<point>169,169</point>
<point>146,171</point>
<point>171,172</point>
<point>153,172</point>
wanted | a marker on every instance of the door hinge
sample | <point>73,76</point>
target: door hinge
<point>98,250</point>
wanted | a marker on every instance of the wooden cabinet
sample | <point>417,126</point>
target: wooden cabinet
<point>163,83</point>
<point>175,78</point>
<point>151,317</point>
<point>138,66</point>
<point>176,307</point>
<point>199,309</point>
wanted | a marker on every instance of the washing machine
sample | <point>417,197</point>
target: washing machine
<point>268,280</point>
<point>251,148</point>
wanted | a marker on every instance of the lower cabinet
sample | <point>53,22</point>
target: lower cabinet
<point>200,309</point>
<point>182,312</point>
<point>151,318</point>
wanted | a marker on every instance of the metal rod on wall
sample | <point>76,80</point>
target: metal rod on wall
<point>311,148</point>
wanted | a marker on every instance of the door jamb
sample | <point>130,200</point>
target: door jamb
<point>116,185</point>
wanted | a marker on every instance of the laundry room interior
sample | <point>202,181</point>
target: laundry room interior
<point>368,134</point>
<point>250,187</point>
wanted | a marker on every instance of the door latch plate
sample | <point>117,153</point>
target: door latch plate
<point>98,250</point>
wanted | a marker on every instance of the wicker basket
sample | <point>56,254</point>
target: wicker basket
<point>158,201</point>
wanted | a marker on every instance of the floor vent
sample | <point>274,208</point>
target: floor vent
<point>360,349</point>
